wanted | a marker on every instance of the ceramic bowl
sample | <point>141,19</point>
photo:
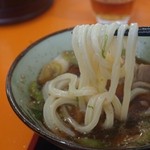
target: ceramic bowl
<point>25,69</point>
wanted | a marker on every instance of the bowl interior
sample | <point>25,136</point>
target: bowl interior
<point>143,48</point>
<point>26,68</point>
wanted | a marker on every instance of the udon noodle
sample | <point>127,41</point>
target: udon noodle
<point>101,57</point>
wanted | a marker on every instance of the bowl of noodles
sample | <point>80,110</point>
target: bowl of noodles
<point>84,88</point>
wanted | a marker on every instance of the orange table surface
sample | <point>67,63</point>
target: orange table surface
<point>14,135</point>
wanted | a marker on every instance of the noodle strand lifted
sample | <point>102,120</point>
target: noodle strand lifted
<point>103,60</point>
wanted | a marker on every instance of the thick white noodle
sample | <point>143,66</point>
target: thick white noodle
<point>90,110</point>
<point>97,110</point>
<point>99,56</point>
<point>117,107</point>
<point>71,83</point>
<point>115,75</point>
<point>57,120</point>
<point>141,84</point>
<point>109,112</point>
<point>97,37</point>
<point>51,117</point>
<point>48,118</point>
<point>129,68</point>
<point>137,91</point>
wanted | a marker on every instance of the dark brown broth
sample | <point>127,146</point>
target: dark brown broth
<point>122,134</point>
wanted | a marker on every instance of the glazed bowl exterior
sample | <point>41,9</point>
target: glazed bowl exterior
<point>25,69</point>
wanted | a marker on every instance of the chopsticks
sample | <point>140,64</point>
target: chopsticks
<point>143,31</point>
